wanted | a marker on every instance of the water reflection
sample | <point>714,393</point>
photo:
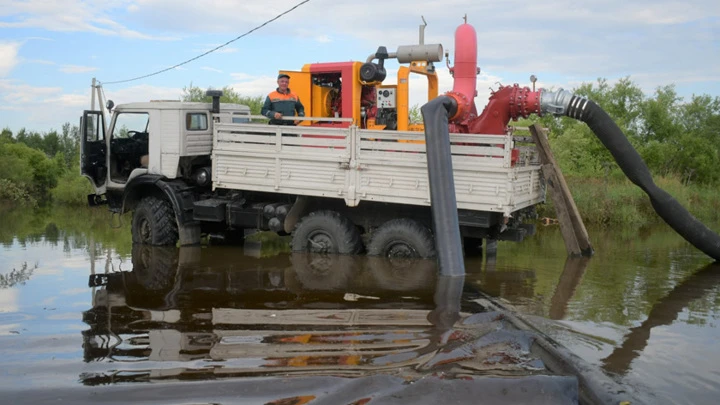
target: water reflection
<point>195,313</point>
<point>664,312</point>
<point>569,281</point>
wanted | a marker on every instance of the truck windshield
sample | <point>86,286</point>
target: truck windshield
<point>129,124</point>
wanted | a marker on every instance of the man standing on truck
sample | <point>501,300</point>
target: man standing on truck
<point>282,102</point>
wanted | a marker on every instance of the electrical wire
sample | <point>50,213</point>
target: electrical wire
<point>214,49</point>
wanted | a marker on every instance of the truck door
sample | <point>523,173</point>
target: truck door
<point>93,150</point>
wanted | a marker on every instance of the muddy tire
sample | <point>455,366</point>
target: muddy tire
<point>154,223</point>
<point>326,232</point>
<point>402,238</point>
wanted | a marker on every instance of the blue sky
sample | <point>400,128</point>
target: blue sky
<point>51,49</point>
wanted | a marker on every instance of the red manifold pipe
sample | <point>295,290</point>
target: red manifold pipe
<point>508,102</point>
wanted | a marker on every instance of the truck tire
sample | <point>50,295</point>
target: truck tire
<point>154,223</point>
<point>402,238</point>
<point>326,232</point>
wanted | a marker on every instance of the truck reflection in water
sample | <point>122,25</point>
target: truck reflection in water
<point>207,314</point>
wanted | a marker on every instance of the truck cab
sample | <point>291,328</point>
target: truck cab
<point>171,139</point>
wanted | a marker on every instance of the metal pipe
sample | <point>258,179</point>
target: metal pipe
<point>391,55</point>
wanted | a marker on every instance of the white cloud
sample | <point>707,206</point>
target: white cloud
<point>40,61</point>
<point>8,57</point>
<point>142,93</point>
<point>224,50</point>
<point>68,16</point>
<point>77,69</point>
<point>253,85</point>
<point>323,39</point>
<point>13,93</point>
<point>210,69</point>
<point>241,76</point>
<point>49,107</point>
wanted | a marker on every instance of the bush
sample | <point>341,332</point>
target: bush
<point>72,189</point>
<point>10,191</point>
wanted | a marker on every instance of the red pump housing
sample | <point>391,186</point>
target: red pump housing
<point>508,102</point>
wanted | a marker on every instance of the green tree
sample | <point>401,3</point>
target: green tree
<point>193,93</point>
<point>6,135</point>
<point>415,115</point>
<point>51,143</point>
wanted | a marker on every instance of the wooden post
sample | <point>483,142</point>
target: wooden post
<point>577,241</point>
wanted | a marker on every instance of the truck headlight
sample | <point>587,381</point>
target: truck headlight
<point>202,176</point>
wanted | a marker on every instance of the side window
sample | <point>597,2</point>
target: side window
<point>196,122</point>
<point>240,118</point>
<point>93,132</point>
<point>128,125</point>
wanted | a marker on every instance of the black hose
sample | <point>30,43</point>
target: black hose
<point>442,185</point>
<point>448,299</point>
<point>635,169</point>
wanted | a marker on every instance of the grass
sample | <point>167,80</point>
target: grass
<point>614,202</point>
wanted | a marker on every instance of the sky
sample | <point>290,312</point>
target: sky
<point>50,50</point>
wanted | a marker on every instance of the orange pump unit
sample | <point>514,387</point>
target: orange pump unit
<point>355,90</point>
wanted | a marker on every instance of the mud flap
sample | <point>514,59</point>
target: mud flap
<point>295,213</point>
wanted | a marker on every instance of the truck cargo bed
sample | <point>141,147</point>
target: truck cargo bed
<point>363,165</point>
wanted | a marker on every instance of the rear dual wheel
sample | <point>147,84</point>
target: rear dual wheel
<point>326,232</point>
<point>402,238</point>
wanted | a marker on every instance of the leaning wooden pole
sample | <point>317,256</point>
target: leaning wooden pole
<point>577,241</point>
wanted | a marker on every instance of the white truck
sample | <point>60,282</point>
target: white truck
<point>186,169</point>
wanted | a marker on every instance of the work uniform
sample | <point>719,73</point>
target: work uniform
<point>284,103</point>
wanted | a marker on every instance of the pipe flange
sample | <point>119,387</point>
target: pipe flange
<point>463,106</point>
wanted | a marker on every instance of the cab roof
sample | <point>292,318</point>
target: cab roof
<point>179,105</point>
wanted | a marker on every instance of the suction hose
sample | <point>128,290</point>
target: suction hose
<point>442,185</point>
<point>565,103</point>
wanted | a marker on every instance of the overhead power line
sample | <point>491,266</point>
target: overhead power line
<point>214,49</point>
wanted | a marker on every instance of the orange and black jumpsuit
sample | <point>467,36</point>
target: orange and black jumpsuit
<point>284,103</point>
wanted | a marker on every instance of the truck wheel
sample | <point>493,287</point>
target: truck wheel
<point>154,223</point>
<point>326,232</point>
<point>402,238</point>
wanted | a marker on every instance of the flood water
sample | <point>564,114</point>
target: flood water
<point>82,309</point>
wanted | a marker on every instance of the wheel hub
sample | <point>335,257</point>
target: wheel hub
<point>321,242</point>
<point>401,250</point>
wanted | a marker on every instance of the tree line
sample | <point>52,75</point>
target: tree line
<point>36,168</point>
<point>675,137</point>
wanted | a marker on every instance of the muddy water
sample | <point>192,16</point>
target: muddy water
<point>80,308</point>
